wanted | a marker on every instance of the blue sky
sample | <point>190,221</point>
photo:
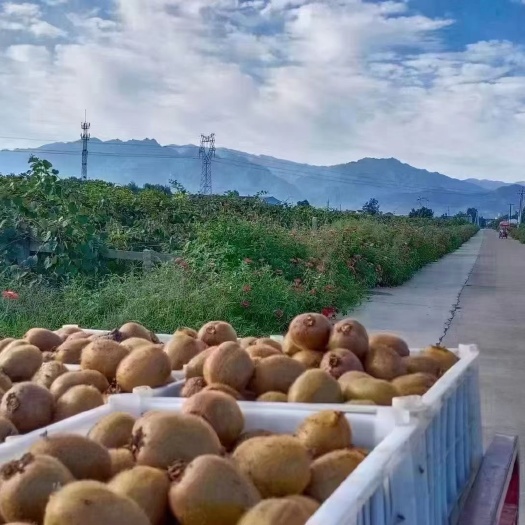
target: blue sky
<point>438,84</point>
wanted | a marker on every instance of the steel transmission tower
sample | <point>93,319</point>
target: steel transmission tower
<point>85,136</point>
<point>206,153</point>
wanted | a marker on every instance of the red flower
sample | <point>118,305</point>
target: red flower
<point>247,260</point>
<point>9,294</point>
<point>246,288</point>
<point>246,304</point>
<point>329,312</point>
<point>279,314</point>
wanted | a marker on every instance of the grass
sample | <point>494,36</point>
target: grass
<point>255,274</point>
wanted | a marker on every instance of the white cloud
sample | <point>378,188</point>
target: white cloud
<point>22,10</point>
<point>315,82</point>
<point>53,3</point>
<point>27,17</point>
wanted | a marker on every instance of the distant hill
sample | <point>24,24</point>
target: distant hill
<point>398,186</point>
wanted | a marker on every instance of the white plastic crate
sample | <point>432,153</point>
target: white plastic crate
<point>381,491</point>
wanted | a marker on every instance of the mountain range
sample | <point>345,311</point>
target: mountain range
<point>397,186</point>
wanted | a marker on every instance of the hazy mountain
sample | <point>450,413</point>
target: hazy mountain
<point>398,186</point>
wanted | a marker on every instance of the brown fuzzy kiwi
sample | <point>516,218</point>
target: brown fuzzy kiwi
<point>129,330</point>
<point>195,366</point>
<point>391,340</point>
<point>277,465</point>
<point>70,351</point>
<point>197,499</point>
<point>277,511</point>
<point>147,487</point>
<point>250,434</point>
<point>308,504</point>
<point>181,349</point>
<point>66,331</point>
<point>215,333</point>
<point>192,386</point>
<point>230,365</point>
<point>422,363</point>
<point>360,402</point>
<point>4,343</point>
<point>268,341</point>
<point>383,362</point>
<point>5,382</point>
<point>221,411</point>
<point>330,470</point>
<point>261,351</point>
<point>6,429</point>
<point>352,335</point>
<point>121,459</point>
<point>186,331</point>
<point>379,391</point>
<point>309,358</point>
<point>246,342</point>
<point>28,406</point>
<point>275,374</point>
<point>339,361</point>
<point>324,431</point>
<point>146,366</point>
<point>113,430</point>
<point>84,458</point>
<point>76,400</point>
<point>225,389</point>
<point>273,397</point>
<point>28,483</point>
<point>44,339</point>
<point>48,372</point>
<point>289,347</point>
<point>310,331</point>
<point>47,357</point>
<point>78,335</point>
<point>315,386</point>
<point>20,362</point>
<point>92,503</point>
<point>442,355</point>
<point>80,377</point>
<point>135,342</point>
<point>354,374</point>
<point>414,384</point>
<point>160,439</point>
<point>16,342</point>
<point>103,356</point>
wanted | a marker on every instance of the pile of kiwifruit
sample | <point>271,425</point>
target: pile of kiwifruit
<point>315,363</point>
<point>37,388</point>
<point>194,467</point>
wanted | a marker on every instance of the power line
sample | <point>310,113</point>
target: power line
<point>85,136</point>
<point>206,153</point>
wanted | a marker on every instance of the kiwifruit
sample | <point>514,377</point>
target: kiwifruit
<point>246,342</point>
<point>16,342</point>
<point>353,374</point>
<point>230,365</point>
<point>84,458</point>
<point>4,343</point>
<point>225,389</point>
<point>186,331</point>
<point>352,335</point>
<point>261,351</point>
<point>339,361</point>
<point>275,374</point>
<point>315,386</point>
<point>181,349</point>
<point>21,362</point>
<point>324,431</point>
<point>66,331</point>
<point>76,400</point>
<point>273,397</point>
<point>5,382</point>
<point>268,341</point>
<point>129,330</point>
<point>92,503</point>
<point>276,511</point>
<point>442,355</point>
<point>78,335</point>
<point>414,384</point>
<point>147,487</point>
<point>289,347</point>
<point>44,339</point>
<point>103,356</point>
<point>146,366</point>
<point>160,439</point>
<point>215,333</point>
<point>277,465</point>
<point>6,429</point>
<point>308,504</point>
<point>48,372</point>
<point>28,483</point>
<point>195,366</point>
<point>330,470</point>
<point>28,406</point>
<point>383,362</point>
<point>192,386</point>
<point>113,430</point>
<point>309,358</point>
<point>360,402</point>
<point>310,331</point>
<point>220,410</point>
<point>391,340</point>
<point>422,363</point>
<point>135,342</point>
<point>197,499</point>
<point>121,459</point>
<point>250,434</point>
<point>379,391</point>
<point>79,377</point>
<point>47,357</point>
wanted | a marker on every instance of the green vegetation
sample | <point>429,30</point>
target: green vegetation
<point>241,260</point>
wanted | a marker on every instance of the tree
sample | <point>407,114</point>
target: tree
<point>472,213</point>
<point>158,187</point>
<point>303,204</point>
<point>421,213</point>
<point>371,207</point>
<point>178,187</point>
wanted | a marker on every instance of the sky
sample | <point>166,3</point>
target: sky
<point>439,84</point>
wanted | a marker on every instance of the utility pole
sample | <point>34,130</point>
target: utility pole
<point>520,211</point>
<point>510,211</point>
<point>85,136</point>
<point>206,153</point>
